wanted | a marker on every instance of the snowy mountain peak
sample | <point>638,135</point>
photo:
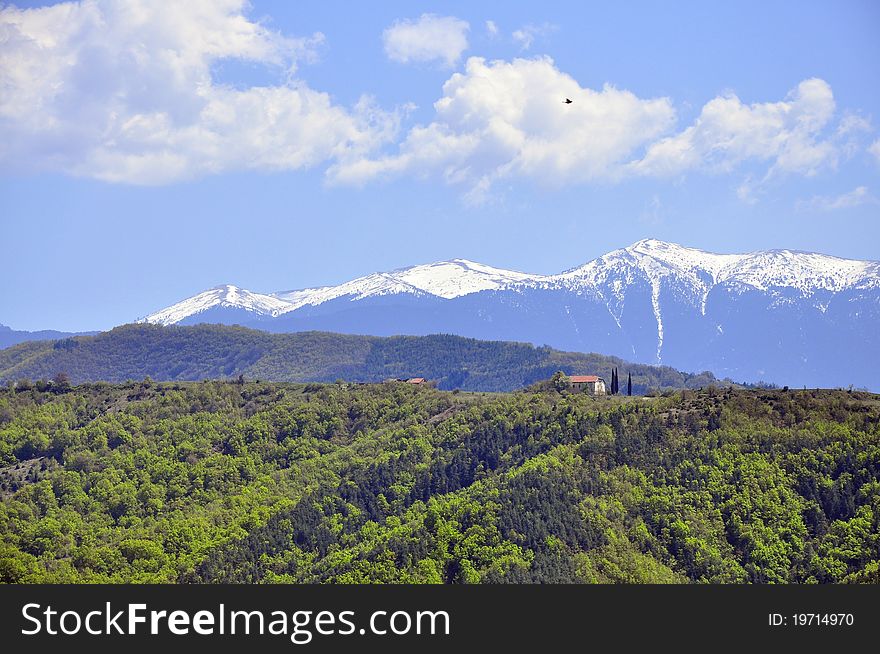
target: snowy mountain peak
<point>685,259</point>
<point>226,296</point>
<point>444,279</point>
<point>805,272</point>
<point>449,279</point>
<point>653,245</point>
<point>651,258</point>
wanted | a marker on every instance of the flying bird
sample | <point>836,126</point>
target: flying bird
<point>567,101</point>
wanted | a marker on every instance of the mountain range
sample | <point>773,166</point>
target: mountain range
<point>783,316</point>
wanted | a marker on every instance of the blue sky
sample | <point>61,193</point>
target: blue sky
<point>149,153</point>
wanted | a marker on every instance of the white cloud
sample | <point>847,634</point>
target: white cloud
<point>874,149</point>
<point>857,197</point>
<point>653,213</point>
<point>507,119</point>
<point>526,35</point>
<point>121,90</point>
<point>853,124</point>
<point>502,120</point>
<point>849,137</point>
<point>787,135</point>
<point>491,29</point>
<point>746,191</point>
<point>524,38</point>
<point>430,38</point>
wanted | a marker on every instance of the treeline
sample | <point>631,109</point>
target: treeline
<point>201,352</point>
<point>275,483</point>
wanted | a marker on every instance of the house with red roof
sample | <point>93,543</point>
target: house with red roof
<point>587,384</point>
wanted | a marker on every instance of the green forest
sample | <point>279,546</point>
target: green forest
<point>241,481</point>
<point>132,352</point>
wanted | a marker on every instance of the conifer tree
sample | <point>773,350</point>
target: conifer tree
<point>629,384</point>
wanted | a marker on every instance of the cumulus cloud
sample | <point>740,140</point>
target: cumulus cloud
<point>786,134</point>
<point>428,39</point>
<point>857,197</point>
<point>503,119</point>
<point>121,90</point>
<point>506,119</point>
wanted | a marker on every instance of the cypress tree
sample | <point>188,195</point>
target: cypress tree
<point>629,383</point>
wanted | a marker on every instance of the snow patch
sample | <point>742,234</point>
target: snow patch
<point>655,304</point>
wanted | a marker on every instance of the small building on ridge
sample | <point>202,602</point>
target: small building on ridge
<point>587,383</point>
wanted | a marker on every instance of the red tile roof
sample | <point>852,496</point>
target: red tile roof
<point>579,379</point>
<point>416,380</point>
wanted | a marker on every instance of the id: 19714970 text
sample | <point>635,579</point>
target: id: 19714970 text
<point>811,620</point>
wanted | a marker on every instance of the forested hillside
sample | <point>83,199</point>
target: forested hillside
<point>264,482</point>
<point>133,352</point>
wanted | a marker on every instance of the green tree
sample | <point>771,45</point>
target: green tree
<point>559,381</point>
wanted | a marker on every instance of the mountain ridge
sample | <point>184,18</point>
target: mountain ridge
<point>199,352</point>
<point>10,336</point>
<point>475,277</point>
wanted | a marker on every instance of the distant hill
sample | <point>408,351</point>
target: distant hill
<point>9,336</point>
<point>177,353</point>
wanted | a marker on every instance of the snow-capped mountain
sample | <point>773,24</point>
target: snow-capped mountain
<point>805,272</point>
<point>781,315</point>
<point>444,279</point>
<point>219,297</point>
<point>687,277</point>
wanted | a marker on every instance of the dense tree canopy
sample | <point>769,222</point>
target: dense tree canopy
<point>264,482</point>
